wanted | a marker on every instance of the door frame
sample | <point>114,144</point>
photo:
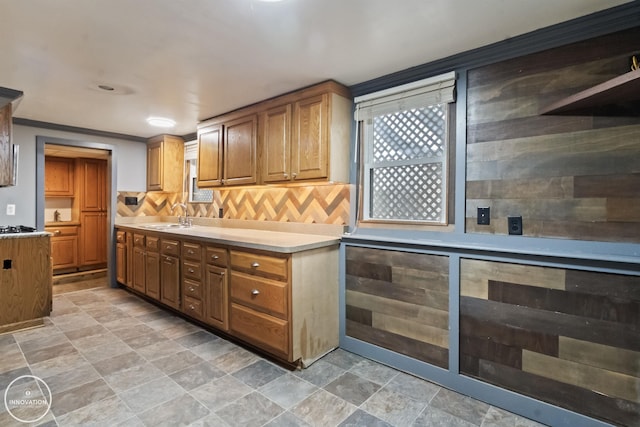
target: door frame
<point>111,190</point>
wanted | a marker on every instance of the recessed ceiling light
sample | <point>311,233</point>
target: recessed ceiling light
<point>161,122</point>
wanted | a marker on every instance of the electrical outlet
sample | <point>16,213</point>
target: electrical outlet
<point>515,225</point>
<point>484,216</point>
<point>11,209</point>
<point>130,201</point>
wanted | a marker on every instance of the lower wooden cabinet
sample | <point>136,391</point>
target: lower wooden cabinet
<point>93,235</point>
<point>274,301</point>
<point>215,297</point>
<point>64,246</point>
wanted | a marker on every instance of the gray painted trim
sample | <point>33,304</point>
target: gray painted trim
<point>605,22</point>
<point>460,195</point>
<point>74,129</point>
<point>112,167</point>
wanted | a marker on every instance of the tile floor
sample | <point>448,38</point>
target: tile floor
<point>112,359</point>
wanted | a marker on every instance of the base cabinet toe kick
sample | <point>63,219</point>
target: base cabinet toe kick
<point>275,302</point>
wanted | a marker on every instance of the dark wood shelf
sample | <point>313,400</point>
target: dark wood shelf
<point>619,96</point>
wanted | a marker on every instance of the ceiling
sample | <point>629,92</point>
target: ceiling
<point>193,59</point>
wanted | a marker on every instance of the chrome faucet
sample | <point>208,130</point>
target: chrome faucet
<point>182,220</point>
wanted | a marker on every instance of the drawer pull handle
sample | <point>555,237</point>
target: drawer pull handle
<point>56,232</point>
<point>255,292</point>
<point>192,307</point>
<point>190,252</point>
<point>169,246</point>
<point>214,257</point>
<point>255,265</point>
<point>191,289</point>
<point>191,270</point>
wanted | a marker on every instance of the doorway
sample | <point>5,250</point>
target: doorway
<point>75,204</point>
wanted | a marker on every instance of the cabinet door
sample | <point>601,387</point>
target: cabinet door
<point>216,297</point>
<point>93,238</point>
<point>154,166</point>
<point>275,131</point>
<point>93,185</point>
<point>210,156</point>
<point>240,146</point>
<point>6,149</point>
<point>121,263</point>
<point>152,274</point>
<point>170,277</point>
<point>64,251</point>
<point>309,150</point>
<point>139,267</point>
<point>58,177</point>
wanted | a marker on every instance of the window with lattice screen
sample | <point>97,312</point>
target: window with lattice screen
<point>405,151</point>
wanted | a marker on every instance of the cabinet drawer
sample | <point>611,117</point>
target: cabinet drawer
<point>266,331</point>
<point>192,289</point>
<point>192,307</point>
<point>191,251</point>
<point>192,270</point>
<point>261,294</point>
<point>62,231</point>
<point>153,243</point>
<point>170,247</point>
<point>121,237</point>
<point>138,240</point>
<point>217,256</point>
<point>263,265</point>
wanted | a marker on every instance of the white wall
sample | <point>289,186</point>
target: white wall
<point>131,160</point>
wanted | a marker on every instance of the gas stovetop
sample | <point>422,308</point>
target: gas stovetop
<point>11,229</point>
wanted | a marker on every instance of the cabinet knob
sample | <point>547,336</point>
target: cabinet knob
<point>57,232</point>
<point>255,292</point>
<point>168,246</point>
<point>191,289</point>
<point>190,252</point>
<point>286,175</point>
<point>191,270</point>
<point>191,307</point>
<point>214,257</point>
<point>294,174</point>
<point>255,265</point>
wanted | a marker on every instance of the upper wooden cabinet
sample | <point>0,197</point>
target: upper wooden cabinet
<point>210,156</point>
<point>58,177</point>
<point>240,151</point>
<point>165,164</point>
<point>303,135</point>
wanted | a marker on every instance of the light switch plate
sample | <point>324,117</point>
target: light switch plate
<point>11,209</point>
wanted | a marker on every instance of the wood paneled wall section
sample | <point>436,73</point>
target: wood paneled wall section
<point>567,337</point>
<point>399,301</point>
<point>574,177</point>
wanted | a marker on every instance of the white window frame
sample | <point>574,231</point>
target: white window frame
<point>424,93</point>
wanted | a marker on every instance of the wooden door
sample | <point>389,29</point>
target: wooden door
<point>310,145</point>
<point>93,173</point>
<point>275,131</point>
<point>139,267</point>
<point>210,156</point>
<point>216,297</point>
<point>155,171</point>
<point>240,146</point>
<point>93,238</point>
<point>121,263</point>
<point>170,277</point>
<point>58,177</point>
<point>152,274</point>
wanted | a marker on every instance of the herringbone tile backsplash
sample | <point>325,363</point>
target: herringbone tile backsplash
<point>320,204</point>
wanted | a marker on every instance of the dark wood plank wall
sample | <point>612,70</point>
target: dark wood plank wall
<point>567,337</point>
<point>399,301</point>
<point>572,177</point>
